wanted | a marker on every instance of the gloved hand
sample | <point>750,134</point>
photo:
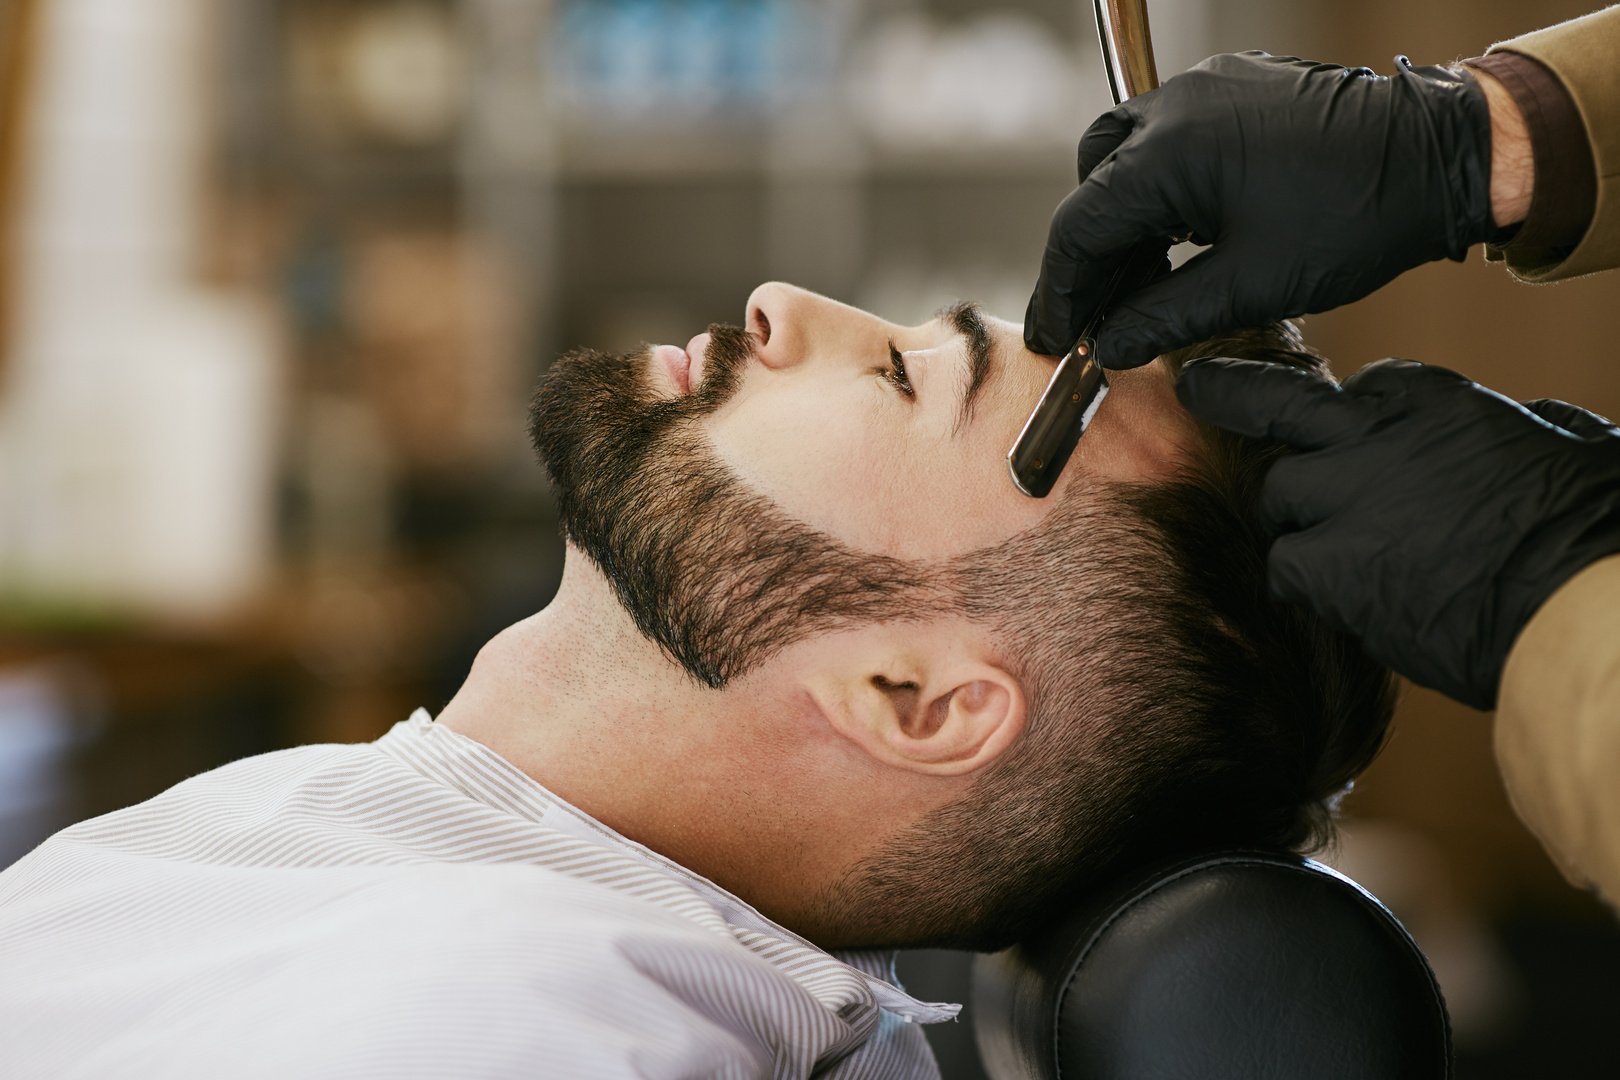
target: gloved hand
<point>1427,515</point>
<point>1315,184</point>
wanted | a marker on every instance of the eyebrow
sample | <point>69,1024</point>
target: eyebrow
<point>967,319</point>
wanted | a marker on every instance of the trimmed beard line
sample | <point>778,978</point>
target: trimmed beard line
<point>716,576</point>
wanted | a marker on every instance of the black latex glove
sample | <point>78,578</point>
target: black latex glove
<point>1315,184</point>
<point>1427,515</point>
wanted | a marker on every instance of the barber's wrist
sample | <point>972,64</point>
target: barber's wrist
<point>1513,166</point>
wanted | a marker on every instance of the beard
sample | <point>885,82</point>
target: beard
<point>715,575</point>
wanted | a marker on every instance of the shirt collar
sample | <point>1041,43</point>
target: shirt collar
<point>467,765</point>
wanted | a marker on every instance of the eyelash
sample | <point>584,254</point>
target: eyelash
<point>896,373</point>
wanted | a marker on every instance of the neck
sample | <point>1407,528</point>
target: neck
<point>579,700</point>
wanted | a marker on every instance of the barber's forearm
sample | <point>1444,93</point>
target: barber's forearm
<point>1513,164</point>
<point>1543,183</point>
<point>1556,734</point>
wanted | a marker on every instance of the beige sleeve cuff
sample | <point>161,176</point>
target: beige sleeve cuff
<point>1558,727</point>
<point>1582,54</point>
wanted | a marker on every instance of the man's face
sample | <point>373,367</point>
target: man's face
<point>822,425</point>
<point>891,438</point>
<point>789,475</point>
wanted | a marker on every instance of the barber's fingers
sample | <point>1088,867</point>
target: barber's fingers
<point>1325,569</point>
<point>1119,206</point>
<point>1394,377</point>
<point>1300,570</point>
<point>1269,401</point>
<point>1103,138</point>
<point>1580,422</point>
<point>1301,491</point>
<point>1070,303</point>
<point>1288,564</point>
<point>1214,291</point>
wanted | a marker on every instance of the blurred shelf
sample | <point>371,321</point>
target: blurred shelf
<point>655,152</point>
<point>675,148</point>
<point>1012,161</point>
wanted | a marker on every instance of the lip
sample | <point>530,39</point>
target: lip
<point>677,362</point>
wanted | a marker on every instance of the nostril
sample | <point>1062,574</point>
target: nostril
<point>762,326</point>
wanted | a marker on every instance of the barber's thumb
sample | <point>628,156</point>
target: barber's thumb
<point>1192,303</point>
<point>1125,341</point>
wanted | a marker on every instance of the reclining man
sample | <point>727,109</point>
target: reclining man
<point>817,678</point>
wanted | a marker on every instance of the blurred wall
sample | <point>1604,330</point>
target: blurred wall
<point>17,18</point>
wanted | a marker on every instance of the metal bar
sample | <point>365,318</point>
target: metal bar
<point>1127,47</point>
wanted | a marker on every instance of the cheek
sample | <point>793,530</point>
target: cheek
<point>825,459</point>
<point>842,459</point>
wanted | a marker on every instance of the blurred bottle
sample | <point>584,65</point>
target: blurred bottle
<point>685,59</point>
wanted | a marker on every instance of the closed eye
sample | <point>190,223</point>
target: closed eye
<point>896,373</point>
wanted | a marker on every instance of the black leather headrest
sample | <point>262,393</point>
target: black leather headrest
<point>1231,966</point>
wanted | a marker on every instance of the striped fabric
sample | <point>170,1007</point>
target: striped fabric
<point>411,907</point>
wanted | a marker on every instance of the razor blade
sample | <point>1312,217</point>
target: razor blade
<point>1078,386</point>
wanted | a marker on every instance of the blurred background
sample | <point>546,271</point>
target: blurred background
<point>277,277</point>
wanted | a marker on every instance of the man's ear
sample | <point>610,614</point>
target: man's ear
<point>943,716</point>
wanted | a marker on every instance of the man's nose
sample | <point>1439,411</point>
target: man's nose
<point>791,324</point>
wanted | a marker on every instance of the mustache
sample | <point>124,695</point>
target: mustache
<point>595,406</point>
<point>730,350</point>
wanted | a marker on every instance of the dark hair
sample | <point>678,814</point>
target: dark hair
<point>1173,705</point>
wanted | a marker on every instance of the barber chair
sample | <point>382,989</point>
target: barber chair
<point>1236,965</point>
